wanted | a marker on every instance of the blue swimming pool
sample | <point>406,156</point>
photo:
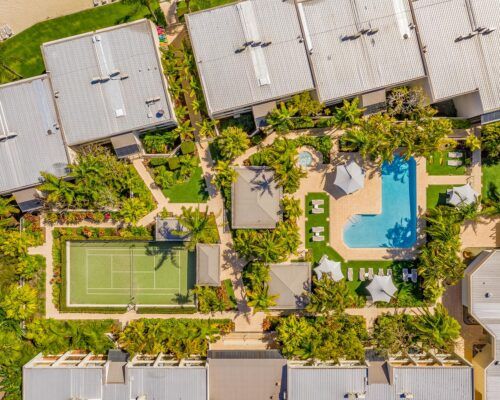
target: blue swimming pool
<point>396,226</point>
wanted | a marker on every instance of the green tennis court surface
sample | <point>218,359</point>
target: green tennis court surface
<point>124,273</point>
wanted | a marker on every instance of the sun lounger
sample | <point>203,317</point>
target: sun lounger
<point>389,271</point>
<point>370,273</point>
<point>405,274</point>
<point>380,272</point>
<point>361,274</point>
<point>96,3</point>
<point>317,238</point>
<point>317,211</point>
<point>318,229</point>
<point>317,202</point>
<point>350,274</point>
<point>455,154</point>
<point>455,163</point>
<point>414,275</point>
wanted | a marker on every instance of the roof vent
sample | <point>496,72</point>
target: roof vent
<point>407,395</point>
<point>119,112</point>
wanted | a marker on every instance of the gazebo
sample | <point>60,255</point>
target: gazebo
<point>350,177</point>
<point>327,266</point>
<point>461,195</point>
<point>382,288</point>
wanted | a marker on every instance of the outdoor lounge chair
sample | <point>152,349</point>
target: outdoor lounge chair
<point>455,154</point>
<point>414,275</point>
<point>405,274</point>
<point>350,274</point>
<point>317,202</point>
<point>455,163</point>
<point>317,211</point>
<point>318,229</point>
<point>370,273</point>
<point>317,238</point>
<point>381,272</point>
<point>389,271</point>
<point>361,274</point>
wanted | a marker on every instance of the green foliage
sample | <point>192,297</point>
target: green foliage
<point>232,142</point>
<point>306,106</point>
<point>473,143</point>
<point>348,115</point>
<point>206,128</point>
<point>460,123</point>
<point>490,140</point>
<point>291,208</point>
<point>409,103</point>
<point>173,163</point>
<point>160,142</point>
<point>7,211</point>
<point>19,303</point>
<point>200,225</point>
<point>188,147</point>
<point>322,338</point>
<point>156,162</point>
<point>180,337</point>
<point>394,333</point>
<point>245,121</point>
<point>133,209</point>
<point>323,144</point>
<point>213,299</point>
<point>328,296</point>
<point>281,118</point>
<point>260,299</point>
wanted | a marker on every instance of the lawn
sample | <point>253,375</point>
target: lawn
<point>436,195</point>
<point>192,191</point>
<point>438,164</point>
<point>22,52</point>
<point>408,293</point>
<point>491,179</point>
<point>197,5</point>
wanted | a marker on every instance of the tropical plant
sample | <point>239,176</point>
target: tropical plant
<point>225,176</point>
<point>146,3</point>
<point>393,333</point>
<point>232,142</point>
<point>207,127</point>
<point>132,210</point>
<point>20,302</point>
<point>305,105</point>
<point>14,244</point>
<point>211,299</point>
<point>280,119</point>
<point>328,296</point>
<point>472,142</point>
<point>184,130</point>
<point>348,115</point>
<point>490,142</point>
<point>7,210</point>
<point>291,208</point>
<point>437,330</point>
<point>58,192</point>
<point>260,299</point>
<point>409,103</point>
<point>198,225</point>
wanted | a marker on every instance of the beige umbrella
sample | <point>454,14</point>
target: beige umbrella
<point>382,288</point>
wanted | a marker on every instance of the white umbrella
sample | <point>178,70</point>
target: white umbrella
<point>350,177</point>
<point>381,288</point>
<point>461,195</point>
<point>327,266</point>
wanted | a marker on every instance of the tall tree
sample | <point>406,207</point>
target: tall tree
<point>232,142</point>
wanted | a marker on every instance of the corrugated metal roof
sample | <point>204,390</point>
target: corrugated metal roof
<point>275,68</point>
<point>345,62</point>
<point>458,64</point>
<point>255,199</point>
<point>50,383</point>
<point>108,82</point>
<point>26,108</point>
<point>484,290</point>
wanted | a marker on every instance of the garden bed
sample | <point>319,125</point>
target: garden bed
<point>438,163</point>
<point>436,195</point>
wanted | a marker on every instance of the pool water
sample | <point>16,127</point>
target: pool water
<point>305,159</point>
<point>396,226</point>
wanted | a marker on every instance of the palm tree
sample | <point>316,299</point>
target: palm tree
<point>225,175</point>
<point>291,208</point>
<point>437,330</point>
<point>269,248</point>
<point>11,348</point>
<point>281,118</point>
<point>132,210</point>
<point>206,128</point>
<point>187,166</point>
<point>232,142</point>
<point>146,3</point>
<point>473,142</point>
<point>349,115</point>
<point>58,192</point>
<point>260,299</point>
<point>7,209</point>
<point>329,295</point>
<point>15,244</point>
<point>185,131</point>
<point>196,223</point>
<point>20,303</point>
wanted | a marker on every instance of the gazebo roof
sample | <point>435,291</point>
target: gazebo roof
<point>350,177</point>
<point>462,195</point>
<point>381,288</point>
<point>327,266</point>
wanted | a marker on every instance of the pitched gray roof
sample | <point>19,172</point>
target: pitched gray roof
<point>88,383</point>
<point>460,66</point>
<point>289,282</point>
<point>208,264</point>
<point>483,291</point>
<point>325,383</point>
<point>26,109</point>
<point>233,80</point>
<point>132,94</point>
<point>343,65</point>
<point>255,199</point>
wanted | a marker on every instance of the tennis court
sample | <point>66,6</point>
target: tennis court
<point>107,274</point>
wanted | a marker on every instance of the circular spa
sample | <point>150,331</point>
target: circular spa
<point>305,159</point>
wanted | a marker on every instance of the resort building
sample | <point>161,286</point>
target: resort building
<point>481,296</point>
<point>109,83</point>
<point>360,47</point>
<point>290,282</point>
<point>208,264</point>
<point>460,42</point>
<point>255,199</point>
<point>249,53</point>
<point>31,140</point>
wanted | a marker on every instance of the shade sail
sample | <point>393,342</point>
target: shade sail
<point>327,266</point>
<point>381,288</point>
<point>350,177</point>
<point>461,195</point>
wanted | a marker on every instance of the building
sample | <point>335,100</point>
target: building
<point>31,140</point>
<point>86,376</point>
<point>208,264</point>
<point>108,83</point>
<point>290,282</point>
<point>255,199</point>
<point>481,296</point>
<point>460,42</point>
<point>358,47</point>
<point>249,53</point>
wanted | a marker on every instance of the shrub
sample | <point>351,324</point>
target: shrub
<point>188,147</point>
<point>490,139</point>
<point>173,163</point>
<point>156,162</point>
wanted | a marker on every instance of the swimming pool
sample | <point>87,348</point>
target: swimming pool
<point>305,159</point>
<point>396,226</point>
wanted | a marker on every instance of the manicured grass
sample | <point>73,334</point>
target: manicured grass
<point>436,195</point>
<point>491,179</point>
<point>228,286</point>
<point>408,293</point>
<point>22,52</point>
<point>438,164</point>
<point>192,191</point>
<point>197,5</point>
